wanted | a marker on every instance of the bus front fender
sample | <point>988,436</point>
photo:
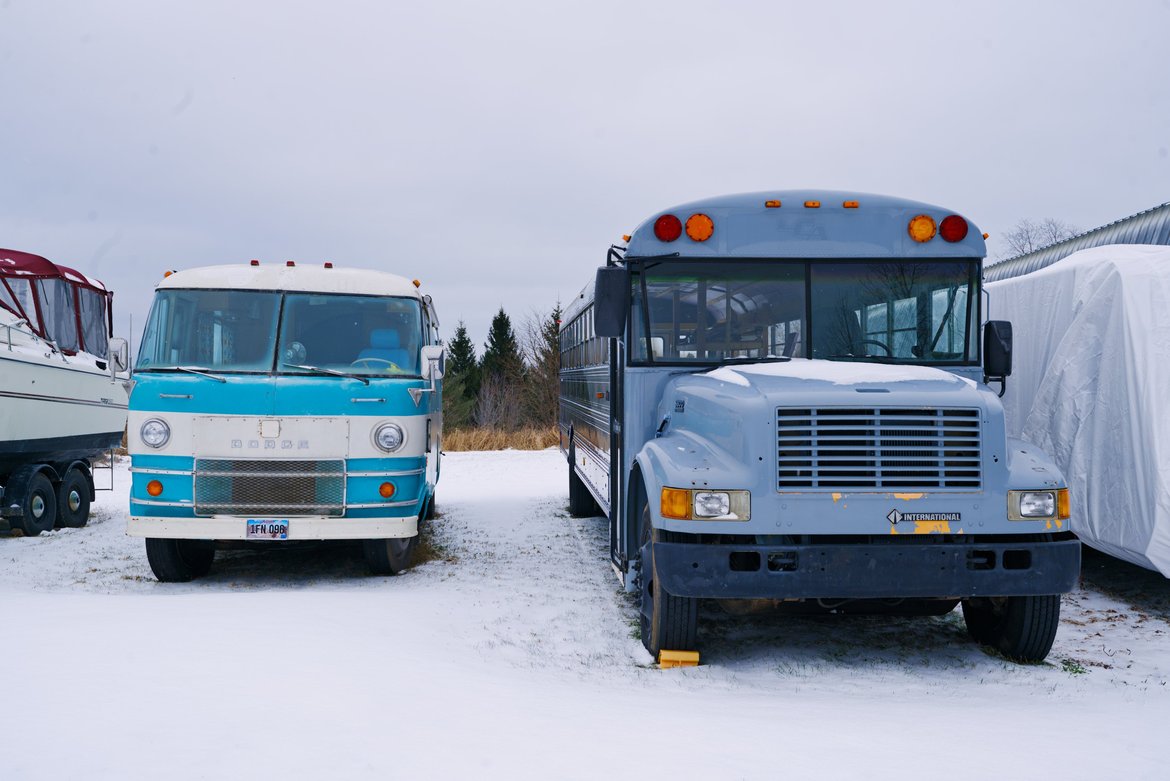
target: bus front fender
<point>682,460</point>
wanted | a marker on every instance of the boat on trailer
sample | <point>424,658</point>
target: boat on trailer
<point>61,402</point>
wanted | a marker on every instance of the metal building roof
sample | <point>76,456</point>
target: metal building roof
<point>1149,227</point>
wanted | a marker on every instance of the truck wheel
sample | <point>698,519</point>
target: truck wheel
<point>581,502</point>
<point>390,556</point>
<point>178,561</point>
<point>39,508</point>
<point>1021,628</point>
<point>73,499</point>
<point>668,622</point>
<point>429,515</point>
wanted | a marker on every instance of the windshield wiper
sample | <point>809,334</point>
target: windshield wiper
<point>202,371</point>
<point>332,372</point>
<point>765,359</point>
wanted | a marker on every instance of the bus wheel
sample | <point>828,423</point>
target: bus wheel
<point>581,502</point>
<point>39,509</point>
<point>1021,628</point>
<point>73,500</point>
<point>389,556</point>
<point>178,561</point>
<point>668,622</point>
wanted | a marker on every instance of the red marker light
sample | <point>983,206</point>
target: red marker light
<point>328,264</point>
<point>953,228</point>
<point>289,263</point>
<point>254,263</point>
<point>668,227</point>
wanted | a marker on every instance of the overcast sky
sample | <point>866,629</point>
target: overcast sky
<point>495,150</point>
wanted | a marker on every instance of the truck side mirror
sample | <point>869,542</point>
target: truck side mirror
<point>997,352</point>
<point>433,361</point>
<point>119,354</point>
<point>611,301</point>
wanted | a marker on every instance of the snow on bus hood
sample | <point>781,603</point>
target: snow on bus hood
<point>836,373</point>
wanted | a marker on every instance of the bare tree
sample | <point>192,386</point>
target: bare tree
<point>539,340</point>
<point>1029,235</point>
<point>498,407</point>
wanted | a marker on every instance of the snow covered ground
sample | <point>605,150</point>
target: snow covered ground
<point>516,656</point>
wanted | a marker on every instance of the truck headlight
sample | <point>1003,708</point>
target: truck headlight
<point>155,432</point>
<point>1038,505</point>
<point>389,437</point>
<point>686,504</point>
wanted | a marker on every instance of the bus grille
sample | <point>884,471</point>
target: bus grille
<point>269,488</point>
<point>902,449</point>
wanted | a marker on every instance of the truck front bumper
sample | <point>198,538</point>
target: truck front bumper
<point>867,570</point>
<point>229,527</point>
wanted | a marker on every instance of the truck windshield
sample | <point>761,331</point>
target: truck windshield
<point>247,330</point>
<point>900,311</point>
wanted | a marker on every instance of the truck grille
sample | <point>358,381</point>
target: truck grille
<point>282,488</point>
<point>831,447</point>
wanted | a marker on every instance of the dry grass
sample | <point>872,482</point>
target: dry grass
<point>498,439</point>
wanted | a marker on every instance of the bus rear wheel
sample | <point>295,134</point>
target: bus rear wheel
<point>389,556</point>
<point>668,623</point>
<point>1021,628</point>
<point>73,499</point>
<point>179,561</point>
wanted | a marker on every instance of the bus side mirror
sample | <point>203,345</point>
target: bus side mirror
<point>433,361</point>
<point>611,301</point>
<point>119,355</point>
<point>997,352</point>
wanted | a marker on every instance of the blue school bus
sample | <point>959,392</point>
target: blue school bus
<point>284,402</point>
<point>782,399</point>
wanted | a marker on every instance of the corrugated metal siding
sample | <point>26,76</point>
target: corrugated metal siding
<point>1149,227</point>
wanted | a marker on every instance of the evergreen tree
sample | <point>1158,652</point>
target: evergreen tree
<point>462,363</point>
<point>501,355</point>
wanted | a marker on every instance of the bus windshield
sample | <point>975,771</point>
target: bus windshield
<point>898,311</point>
<point>248,330</point>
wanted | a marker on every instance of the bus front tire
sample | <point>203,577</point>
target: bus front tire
<point>179,561</point>
<point>389,556</point>
<point>668,622</point>
<point>1021,628</point>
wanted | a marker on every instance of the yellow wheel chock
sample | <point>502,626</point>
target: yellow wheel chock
<point>670,659</point>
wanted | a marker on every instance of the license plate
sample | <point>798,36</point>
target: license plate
<point>267,530</point>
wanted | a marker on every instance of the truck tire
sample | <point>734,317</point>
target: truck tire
<point>1021,628</point>
<point>178,561</point>
<point>668,622</point>
<point>73,499</point>
<point>389,556</point>
<point>581,502</point>
<point>38,506</point>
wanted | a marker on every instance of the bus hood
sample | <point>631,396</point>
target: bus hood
<point>819,380</point>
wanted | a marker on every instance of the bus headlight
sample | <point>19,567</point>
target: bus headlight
<point>155,432</point>
<point>1038,505</point>
<point>389,437</point>
<point>685,504</point>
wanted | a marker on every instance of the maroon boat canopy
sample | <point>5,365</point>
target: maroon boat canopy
<point>60,304</point>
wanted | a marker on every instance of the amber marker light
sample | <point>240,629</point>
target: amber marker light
<point>676,503</point>
<point>850,205</point>
<point>1063,507</point>
<point>812,204</point>
<point>386,490</point>
<point>771,204</point>
<point>700,227</point>
<point>154,488</point>
<point>922,228</point>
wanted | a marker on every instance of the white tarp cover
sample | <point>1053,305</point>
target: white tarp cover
<point>1091,386</point>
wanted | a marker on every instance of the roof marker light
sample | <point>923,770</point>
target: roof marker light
<point>953,228</point>
<point>289,263</point>
<point>328,264</point>
<point>812,204</point>
<point>771,204</point>
<point>700,227</point>
<point>168,273</point>
<point>254,262</point>
<point>667,227</point>
<point>416,282</point>
<point>850,205</point>
<point>921,228</point>
<point>986,236</point>
<point>625,237</point>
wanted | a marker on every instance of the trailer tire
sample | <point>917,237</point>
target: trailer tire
<point>389,556</point>
<point>179,561</point>
<point>668,622</point>
<point>73,499</point>
<point>39,506</point>
<point>1021,628</point>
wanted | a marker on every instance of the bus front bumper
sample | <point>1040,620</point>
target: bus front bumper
<point>862,571</point>
<point>229,527</point>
